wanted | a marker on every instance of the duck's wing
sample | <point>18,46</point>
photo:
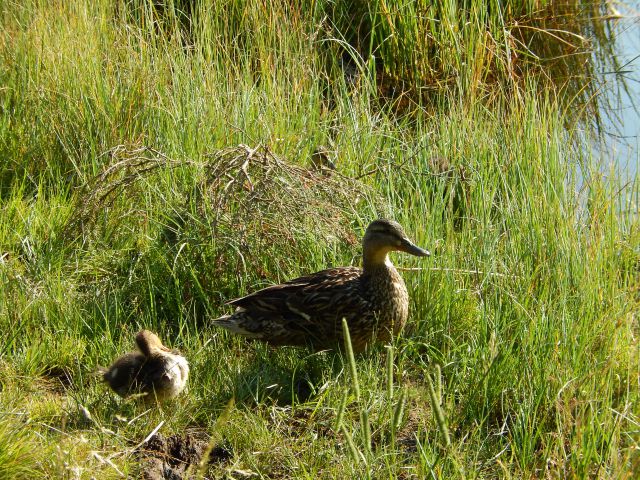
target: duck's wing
<point>123,374</point>
<point>302,310</point>
<point>310,291</point>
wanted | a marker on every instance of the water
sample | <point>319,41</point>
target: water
<point>621,147</point>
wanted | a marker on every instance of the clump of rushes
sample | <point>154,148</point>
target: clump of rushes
<point>394,414</point>
<point>420,50</point>
<point>436,406</point>
<point>364,412</point>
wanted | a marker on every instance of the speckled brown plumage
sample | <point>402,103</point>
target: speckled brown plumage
<point>309,310</point>
<point>155,370</point>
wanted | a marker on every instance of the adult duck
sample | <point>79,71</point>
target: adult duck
<point>308,310</point>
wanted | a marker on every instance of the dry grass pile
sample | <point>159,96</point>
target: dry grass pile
<point>225,223</point>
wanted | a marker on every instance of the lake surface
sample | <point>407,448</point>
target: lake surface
<point>622,124</point>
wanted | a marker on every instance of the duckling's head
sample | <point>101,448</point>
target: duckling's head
<point>148,342</point>
<point>384,236</point>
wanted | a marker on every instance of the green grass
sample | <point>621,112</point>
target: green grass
<point>522,344</point>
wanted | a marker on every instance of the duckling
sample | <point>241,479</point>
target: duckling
<point>308,310</point>
<point>154,370</point>
<point>320,160</point>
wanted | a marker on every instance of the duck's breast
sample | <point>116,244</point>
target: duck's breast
<point>175,375</point>
<point>391,300</point>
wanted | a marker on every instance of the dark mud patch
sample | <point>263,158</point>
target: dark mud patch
<point>178,457</point>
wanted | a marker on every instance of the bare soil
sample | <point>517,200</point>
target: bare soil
<point>177,457</point>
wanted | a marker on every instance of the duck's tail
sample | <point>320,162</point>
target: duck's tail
<point>234,323</point>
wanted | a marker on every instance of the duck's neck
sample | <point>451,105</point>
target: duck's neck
<point>376,261</point>
<point>144,347</point>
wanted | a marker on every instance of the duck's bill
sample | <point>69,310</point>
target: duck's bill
<point>408,247</point>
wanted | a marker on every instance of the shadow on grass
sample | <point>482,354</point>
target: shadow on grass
<point>284,377</point>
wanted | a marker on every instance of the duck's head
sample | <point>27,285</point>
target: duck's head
<point>384,236</point>
<point>149,343</point>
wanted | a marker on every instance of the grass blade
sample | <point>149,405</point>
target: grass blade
<point>355,453</point>
<point>341,408</point>
<point>438,387</point>
<point>437,409</point>
<point>389,366</point>
<point>351,358</point>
